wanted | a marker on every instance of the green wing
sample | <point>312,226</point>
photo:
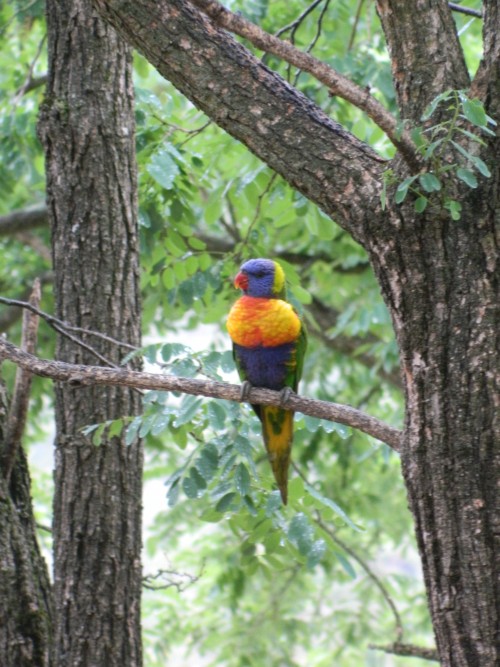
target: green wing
<point>239,367</point>
<point>295,373</point>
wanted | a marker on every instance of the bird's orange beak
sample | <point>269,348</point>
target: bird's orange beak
<point>241,281</point>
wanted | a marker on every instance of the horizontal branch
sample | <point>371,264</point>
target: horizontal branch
<point>22,220</point>
<point>96,375</point>
<point>408,650</point>
<point>337,83</point>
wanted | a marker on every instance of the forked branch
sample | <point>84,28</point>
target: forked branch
<point>337,83</point>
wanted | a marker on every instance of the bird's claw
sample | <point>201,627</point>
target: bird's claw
<point>285,395</point>
<point>246,387</point>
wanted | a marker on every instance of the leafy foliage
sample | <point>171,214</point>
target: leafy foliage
<point>452,135</point>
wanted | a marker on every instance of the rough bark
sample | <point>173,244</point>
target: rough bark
<point>438,277</point>
<point>87,130</point>
<point>423,63</point>
<point>94,375</point>
<point>25,593</point>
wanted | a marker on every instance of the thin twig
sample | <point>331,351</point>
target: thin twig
<point>337,83</point>
<point>22,90</point>
<point>294,25</point>
<point>98,375</point>
<point>362,563</point>
<point>315,38</point>
<point>355,25</point>
<point>465,10</point>
<point>18,412</point>
<point>58,324</point>
<point>264,192</point>
<point>172,578</point>
<point>371,574</point>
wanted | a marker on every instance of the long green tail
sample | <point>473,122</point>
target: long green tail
<point>277,427</point>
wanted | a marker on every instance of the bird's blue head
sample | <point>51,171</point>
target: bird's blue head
<point>261,278</point>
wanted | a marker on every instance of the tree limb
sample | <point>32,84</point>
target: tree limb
<point>23,220</point>
<point>16,421</point>
<point>409,650</point>
<point>312,152</point>
<point>337,83</point>
<point>77,375</point>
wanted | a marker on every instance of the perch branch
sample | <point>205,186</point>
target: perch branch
<point>20,398</point>
<point>96,375</point>
<point>337,83</point>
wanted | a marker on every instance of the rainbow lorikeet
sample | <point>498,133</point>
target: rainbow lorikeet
<point>269,342</point>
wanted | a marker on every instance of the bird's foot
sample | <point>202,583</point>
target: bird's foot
<point>246,387</point>
<point>285,394</point>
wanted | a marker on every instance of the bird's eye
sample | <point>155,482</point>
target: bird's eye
<point>259,274</point>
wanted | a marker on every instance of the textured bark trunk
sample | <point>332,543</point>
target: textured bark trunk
<point>25,594</point>
<point>440,280</point>
<point>87,129</point>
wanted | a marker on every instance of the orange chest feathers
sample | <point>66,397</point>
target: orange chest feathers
<point>255,322</point>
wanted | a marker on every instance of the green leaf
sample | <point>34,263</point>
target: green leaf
<point>432,106</point>
<point>216,415</point>
<point>87,430</point>
<point>242,479</point>
<point>173,493</point>
<point>132,430</point>
<point>481,166</point>
<point>273,503</point>
<point>421,204</point>
<point>146,424</point>
<point>316,553</point>
<point>227,361</point>
<point>196,244</point>
<point>474,112</point>
<point>115,428</point>
<point>301,294</point>
<point>208,461</point>
<point>163,168</point>
<point>454,207</point>
<point>432,147</point>
<point>467,177</point>
<point>187,410</point>
<point>160,423</point>
<point>225,502</point>
<point>184,368</point>
<point>327,502</point>
<point>190,487</point>
<point>402,189</point>
<point>429,182</point>
<point>170,350</point>
<point>301,532</point>
<point>346,564</point>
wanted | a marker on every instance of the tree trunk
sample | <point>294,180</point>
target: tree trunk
<point>87,129</point>
<point>438,278</point>
<point>25,593</point>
